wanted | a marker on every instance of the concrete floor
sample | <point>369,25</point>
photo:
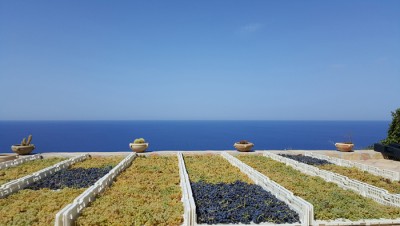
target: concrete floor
<point>368,157</point>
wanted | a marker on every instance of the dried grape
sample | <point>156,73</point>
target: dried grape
<point>39,207</point>
<point>99,162</point>
<point>72,178</point>
<point>30,207</point>
<point>239,202</point>
<point>364,176</point>
<point>329,200</point>
<point>146,193</point>
<point>212,169</point>
<point>307,160</point>
<point>351,172</point>
<point>26,168</point>
<point>223,194</point>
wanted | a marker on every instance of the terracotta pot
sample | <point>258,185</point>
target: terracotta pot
<point>22,149</point>
<point>345,147</point>
<point>243,147</point>
<point>138,147</point>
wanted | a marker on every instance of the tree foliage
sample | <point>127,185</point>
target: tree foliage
<point>394,129</point>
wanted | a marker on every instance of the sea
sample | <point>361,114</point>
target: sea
<point>114,136</point>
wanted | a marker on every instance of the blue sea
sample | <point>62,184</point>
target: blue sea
<point>110,136</point>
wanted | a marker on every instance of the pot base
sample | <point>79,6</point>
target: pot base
<point>343,147</point>
<point>22,150</point>
<point>243,147</point>
<point>138,148</point>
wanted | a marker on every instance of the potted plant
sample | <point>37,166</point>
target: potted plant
<point>346,146</point>
<point>24,148</point>
<point>139,145</point>
<point>243,145</point>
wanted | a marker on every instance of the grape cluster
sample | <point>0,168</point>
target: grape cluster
<point>307,159</point>
<point>239,202</point>
<point>71,178</point>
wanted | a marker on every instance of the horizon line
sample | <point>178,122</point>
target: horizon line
<point>22,120</point>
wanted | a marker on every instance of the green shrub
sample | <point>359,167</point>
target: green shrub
<point>394,129</point>
<point>139,141</point>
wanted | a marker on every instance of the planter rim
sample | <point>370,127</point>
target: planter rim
<point>139,148</point>
<point>22,149</point>
<point>139,144</point>
<point>249,143</point>
<point>343,147</point>
<point>342,143</point>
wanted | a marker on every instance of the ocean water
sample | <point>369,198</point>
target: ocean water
<point>88,136</point>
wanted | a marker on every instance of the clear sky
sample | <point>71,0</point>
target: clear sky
<point>247,60</point>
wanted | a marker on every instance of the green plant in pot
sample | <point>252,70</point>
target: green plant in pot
<point>243,146</point>
<point>139,145</point>
<point>25,147</point>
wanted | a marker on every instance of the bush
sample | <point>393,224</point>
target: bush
<point>394,129</point>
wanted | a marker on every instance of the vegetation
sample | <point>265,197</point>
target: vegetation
<point>139,141</point>
<point>146,193</point>
<point>244,142</point>
<point>330,201</point>
<point>26,143</point>
<point>29,167</point>
<point>212,169</point>
<point>394,129</point>
<point>39,207</point>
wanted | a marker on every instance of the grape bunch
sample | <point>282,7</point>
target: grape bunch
<point>307,159</point>
<point>239,202</point>
<point>71,178</point>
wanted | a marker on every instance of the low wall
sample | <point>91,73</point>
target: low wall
<point>356,155</point>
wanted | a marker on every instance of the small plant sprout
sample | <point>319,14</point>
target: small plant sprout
<point>139,141</point>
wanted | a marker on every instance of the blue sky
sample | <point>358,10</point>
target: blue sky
<point>246,60</point>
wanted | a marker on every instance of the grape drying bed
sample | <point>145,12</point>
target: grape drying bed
<point>189,189</point>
